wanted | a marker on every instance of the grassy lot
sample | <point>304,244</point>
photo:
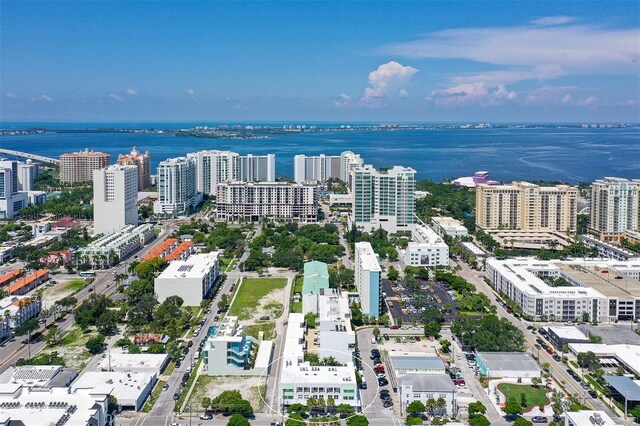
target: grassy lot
<point>77,284</point>
<point>296,307</point>
<point>70,337</point>
<point>250,293</point>
<point>275,309</point>
<point>297,288</point>
<point>155,393</point>
<point>535,396</point>
<point>169,370</point>
<point>253,330</point>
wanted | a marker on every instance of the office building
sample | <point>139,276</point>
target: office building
<point>113,248</point>
<point>130,388</point>
<point>257,168</point>
<point>142,163</point>
<point>507,365</point>
<point>79,166</point>
<point>383,199</point>
<point>527,207</point>
<point>12,201</point>
<point>614,207</point>
<point>425,387</point>
<point>563,335</point>
<point>588,418</point>
<point>299,380</point>
<point>115,190</point>
<point>27,173</point>
<point>427,249</point>
<point>367,279</point>
<point>191,279</point>
<point>177,187</point>
<point>348,162</point>
<point>601,290</point>
<point>444,225</point>
<point>319,168</point>
<point>228,351</point>
<point>278,201</point>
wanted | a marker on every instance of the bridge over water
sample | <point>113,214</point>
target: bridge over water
<point>31,156</point>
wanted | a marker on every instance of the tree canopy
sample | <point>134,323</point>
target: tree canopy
<point>490,334</point>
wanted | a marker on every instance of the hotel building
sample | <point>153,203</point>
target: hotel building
<point>142,163</point>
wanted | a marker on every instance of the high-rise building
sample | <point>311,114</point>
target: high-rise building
<point>279,201</point>
<point>367,278</point>
<point>142,163</point>
<point>79,166</point>
<point>614,207</point>
<point>177,187</point>
<point>319,168</point>
<point>527,207</point>
<point>115,191</point>
<point>383,199</point>
<point>257,168</point>
<point>27,173</point>
<point>12,201</point>
<point>348,162</point>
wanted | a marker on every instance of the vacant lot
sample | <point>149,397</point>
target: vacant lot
<point>252,389</point>
<point>258,297</point>
<point>535,396</point>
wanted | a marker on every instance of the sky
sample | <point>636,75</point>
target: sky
<point>449,61</point>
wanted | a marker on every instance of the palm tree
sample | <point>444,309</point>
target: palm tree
<point>441,404</point>
<point>430,405</point>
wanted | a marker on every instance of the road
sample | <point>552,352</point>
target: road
<point>557,369</point>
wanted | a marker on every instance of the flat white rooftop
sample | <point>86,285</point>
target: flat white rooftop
<point>117,361</point>
<point>424,235</point>
<point>127,387</point>
<point>368,258</point>
<point>627,354</point>
<point>196,266</point>
<point>588,418</point>
<point>568,332</point>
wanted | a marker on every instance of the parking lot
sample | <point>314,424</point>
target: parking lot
<point>430,294</point>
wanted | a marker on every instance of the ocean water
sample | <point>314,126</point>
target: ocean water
<point>566,154</point>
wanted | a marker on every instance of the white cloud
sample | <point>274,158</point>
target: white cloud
<point>566,99</point>
<point>472,93</point>
<point>342,101</point>
<point>11,95</point>
<point>572,48</point>
<point>553,20</point>
<point>191,92</point>
<point>591,102</point>
<point>629,102</point>
<point>47,98</point>
<point>388,80</point>
<point>116,97</point>
<point>131,92</point>
<point>503,94</point>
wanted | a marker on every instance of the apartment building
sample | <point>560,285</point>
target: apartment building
<point>608,250</point>
<point>614,208</point>
<point>79,166</point>
<point>115,191</point>
<point>319,168</point>
<point>444,225</point>
<point>427,249</point>
<point>142,163</point>
<point>117,246</point>
<point>600,289</point>
<point>348,162</point>
<point>383,199</point>
<point>229,352</point>
<point>527,207</point>
<point>27,173</point>
<point>299,380</point>
<point>257,168</point>
<point>12,201</point>
<point>367,278</point>
<point>191,279</point>
<point>278,201</point>
<point>177,187</point>
<point>18,309</point>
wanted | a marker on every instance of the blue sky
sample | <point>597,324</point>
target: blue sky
<point>320,61</point>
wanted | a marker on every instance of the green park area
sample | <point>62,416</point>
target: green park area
<point>77,284</point>
<point>251,291</point>
<point>533,396</point>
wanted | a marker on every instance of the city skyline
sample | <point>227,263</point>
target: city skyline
<point>422,62</point>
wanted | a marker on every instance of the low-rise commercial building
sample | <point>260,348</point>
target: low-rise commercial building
<point>131,389</point>
<point>18,309</point>
<point>507,365</point>
<point>427,249</point>
<point>191,279</point>
<point>588,418</point>
<point>112,248</point>
<point>125,362</point>
<point>229,352</point>
<point>278,201</point>
<point>425,387</point>
<point>560,336</point>
<point>299,380</point>
<point>416,363</point>
<point>315,278</point>
<point>337,338</point>
<point>27,283</point>
<point>624,354</point>
<point>444,225</point>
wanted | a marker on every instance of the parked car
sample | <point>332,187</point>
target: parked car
<point>394,327</point>
<point>383,382</point>
<point>165,386</point>
<point>387,404</point>
<point>539,419</point>
<point>206,417</point>
<point>176,396</point>
<point>363,385</point>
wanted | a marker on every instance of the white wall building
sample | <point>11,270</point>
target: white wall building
<point>348,162</point>
<point>27,173</point>
<point>422,387</point>
<point>177,187</point>
<point>588,418</point>
<point>608,250</point>
<point>12,201</point>
<point>367,278</point>
<point>320,168</point>
<point>427,249</point>
<point>383,199</point>
<point>115,191</point>
<point>191,279</point>
<point>18,309</point>
<point>299,380</point>
<point>615,207</point>
<point>337,339</point>
<point>131,389</point>
<point>444,225</point>
<point>214,167</point>
<point>143,362</point>
<point>278,201</point>
<point>601,289</point>
<point>109,249</point>
<point>257,168</point>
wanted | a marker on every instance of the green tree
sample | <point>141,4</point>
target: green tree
<point>588,360</point>
<point>432,314</point>
<point>376,332</point>
<point>512,407</point>
<point>295,420</point>
<point>238,420</point>
<point>476,408</point>
<point>523,400</point>
<point>416,408</point>
<point>155,348</point>
<point>479,420</point>
<point>27,327</point>
<point>311,319</point>
<point>445,345</point>
<point>345,410</point>
<point>206,403</point>
<point>521,421</point>
<point>107,323</point>
<point>357,420</point>
<point>432,329</point>
<point>392,273</point>
<point>147,269</point>
<point>297,409</point>
<point>95,345</point>
<point>134,349</point>
<point>536,381</point>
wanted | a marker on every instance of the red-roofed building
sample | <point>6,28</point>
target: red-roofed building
<point>146,339</point>
<point>60,257</point>
<point>65,223</point>
<point>28,283</point>
<point>166,247</point>
<point>181,252</point>
<point>7,278</point>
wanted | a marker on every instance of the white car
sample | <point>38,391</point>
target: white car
<point>205,417</point>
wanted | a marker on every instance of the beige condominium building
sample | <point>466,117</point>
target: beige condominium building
<point>142,162</point>
<point>527,207</point>
<point>79,166</point>
<point>614,207</point>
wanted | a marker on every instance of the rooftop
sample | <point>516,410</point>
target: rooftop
<point>316,277</point>
<point>24,281</point>
<point>629,355</point>
<point>568,332</point>
<point>449,223</point>
<point>425,235</point>
<point>118,361</point>
<point>8,277</point>
<point>588,418</point>
<point>624,386</point>
<point>416,361</point>
<point>195,266</point>
<point>368,258</point>
<point>124,385</point>
<point>508,361</point>
<point>603,278</point>
<point>427,382</point>
<point>161,249</point>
